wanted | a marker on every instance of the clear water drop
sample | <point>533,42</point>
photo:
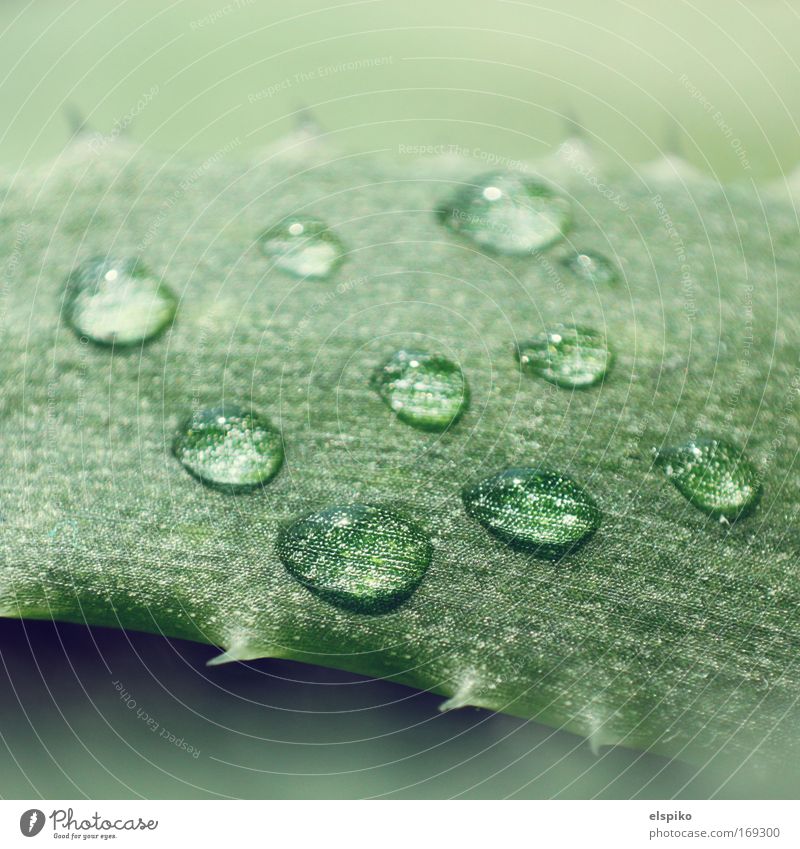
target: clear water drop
<point>507,213</point>
<point>363,558</point>
<point>229,448</point>
<point>536,509</point>
<point>569,356</point>
<point>117,302</point>
<point>714,475</point>
<point>428,391</point>
<point>303,246</point>
<point>592,268</point>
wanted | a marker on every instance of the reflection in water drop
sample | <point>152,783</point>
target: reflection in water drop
<point>303,246</point>
<point>428,391</point>
<point>541,510</point>
<point>359,557</point>
<point>573,357</point>
<point>228,448</point>
<point>592,268</point>
<point>714,475</point>
<point>117,302</point>
<point>507,213</point>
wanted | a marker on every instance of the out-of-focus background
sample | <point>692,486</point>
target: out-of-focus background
<point>102,714</point>
<point>498,74</point>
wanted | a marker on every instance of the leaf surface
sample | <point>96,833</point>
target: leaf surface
<point>668,630</point>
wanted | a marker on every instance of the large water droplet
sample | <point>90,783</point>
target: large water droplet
<point>592,268</point>
<point>714,475</point>
<point>229,448</point>
<point>568,356</point>
<point>117,301</point>
<point>507,213</point>
<point>537,509</point>
<point>364,558</point>
<point>303,246</point>
<point>428,391</point>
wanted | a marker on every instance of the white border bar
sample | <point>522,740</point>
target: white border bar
<point>406,825</point>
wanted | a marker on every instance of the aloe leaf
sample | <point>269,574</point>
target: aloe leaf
<point>670,629</point>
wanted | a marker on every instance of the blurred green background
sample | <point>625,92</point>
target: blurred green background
<point>500,74</point>
<point>717,80</point>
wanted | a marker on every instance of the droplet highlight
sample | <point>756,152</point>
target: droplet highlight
<point>713,475</point>
<point>428,391</point>
<point>117,302</point>
<point>572,357</point>
<point>592,268</point>
<point>507,213</point>
<point>229,448</point>
<point>360,557</point>
<point>537,509</point>
<point>303,246</point>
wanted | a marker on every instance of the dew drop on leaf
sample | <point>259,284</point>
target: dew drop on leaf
<point>303,246</point>
<point>592,268</point>
<point>360,557</point>
<point>507,213</point>
<point>428,391</point>
<point>117,302</point>
<point>714,475</point>
<point>229,448</point>
<point>568,356</point>
<point>537,509</point>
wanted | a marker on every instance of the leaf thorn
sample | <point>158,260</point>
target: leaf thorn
<point>464,696</point>
<point>240,651</point>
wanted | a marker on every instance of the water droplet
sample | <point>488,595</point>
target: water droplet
<point>360,557</point>
<point>303,246</point>
<point>428,391</point>
<point>714,475</point>
<point>592,268</point>
<point>537,509</point>
<point>507,213</point>
<point>229,448</point>
<point>117,302</point>
<point>568,356</point>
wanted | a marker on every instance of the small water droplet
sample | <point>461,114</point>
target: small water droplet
<point>303,246</point>
<point>592,268</point>
<point>364,558</point>
<point>229,448</point>
<point>714,475</point>
<point>117,302</point>
<point>428,391</point>
<point>541,510</point>
<point>568,356</point>
<point>507,213</point>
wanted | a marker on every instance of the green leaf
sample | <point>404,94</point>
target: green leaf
<point>668,630</point>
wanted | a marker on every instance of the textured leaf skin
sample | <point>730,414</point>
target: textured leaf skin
<point>669,630</point>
